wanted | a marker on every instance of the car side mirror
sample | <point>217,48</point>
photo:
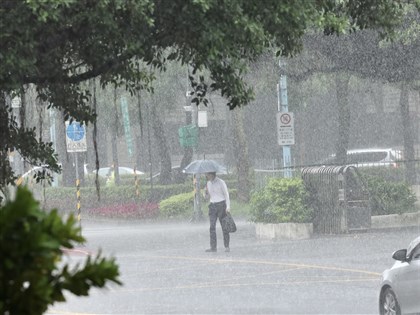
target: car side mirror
<point>400,255</point>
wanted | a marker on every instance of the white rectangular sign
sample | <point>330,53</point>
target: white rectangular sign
<point>285,128</point>
<point>202,119</point>
<point>76,146</point>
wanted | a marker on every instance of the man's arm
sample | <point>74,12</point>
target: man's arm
<point>226,193</point>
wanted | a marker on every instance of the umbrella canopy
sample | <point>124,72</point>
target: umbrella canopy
<point>204,166</point>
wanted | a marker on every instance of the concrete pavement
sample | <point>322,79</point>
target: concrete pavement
<point>166,271</point>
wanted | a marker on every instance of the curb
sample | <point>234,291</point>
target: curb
<point>395,220</point>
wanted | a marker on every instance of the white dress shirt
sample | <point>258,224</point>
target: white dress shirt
<point>218,191</point>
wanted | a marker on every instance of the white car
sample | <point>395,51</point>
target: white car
<point>28,177</point>
<point>400,287</point>
<point>369,157</point>
<point>106,171</point>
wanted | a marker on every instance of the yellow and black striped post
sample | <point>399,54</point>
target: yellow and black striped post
<point>137,184</point>
<point>78,199</point>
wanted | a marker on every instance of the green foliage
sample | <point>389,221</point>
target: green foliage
<point>281,200</point>
<point>31,247</point>
<point>240,209</point>
<point>90,180</point>
<point>178,206</point>
<point>389,174</point>
<point>65,197</point>
<point>389,197</point>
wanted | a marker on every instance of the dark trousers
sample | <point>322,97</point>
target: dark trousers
<point>217,210</point>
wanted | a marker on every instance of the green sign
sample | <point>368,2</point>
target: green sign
<point>188,136</point>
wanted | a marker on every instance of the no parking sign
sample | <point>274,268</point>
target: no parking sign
<point>285,128</point>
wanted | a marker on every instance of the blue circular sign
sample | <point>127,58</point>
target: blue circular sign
<point>75,131</point>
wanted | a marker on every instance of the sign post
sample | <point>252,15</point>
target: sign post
<point>76,142</point>
<point>284,123</point>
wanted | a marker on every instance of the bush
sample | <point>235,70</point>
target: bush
<point>179,206</point>
<point>233,194</point>
<point>240,209</point>
<point>32,276</point>
<point>282,200</point>
<point>390,174</point>
<point>388,197</point>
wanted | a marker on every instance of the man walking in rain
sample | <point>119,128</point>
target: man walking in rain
<point>217,190</point>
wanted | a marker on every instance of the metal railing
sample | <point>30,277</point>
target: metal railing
<point>403,170</point>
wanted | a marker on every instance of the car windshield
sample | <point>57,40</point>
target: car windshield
<point>413,245</point>
<point>365,157</point>
<point>360,157</point>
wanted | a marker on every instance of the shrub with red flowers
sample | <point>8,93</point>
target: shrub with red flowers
<point>145,210</point>
<point>148,210</point>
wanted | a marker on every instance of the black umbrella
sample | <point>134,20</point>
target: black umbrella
<point>204,166</point>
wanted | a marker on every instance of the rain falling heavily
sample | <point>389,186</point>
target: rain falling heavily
<point>209,157</point>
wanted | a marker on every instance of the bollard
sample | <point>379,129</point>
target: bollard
<point>78,199</point>
<point>137,184</point>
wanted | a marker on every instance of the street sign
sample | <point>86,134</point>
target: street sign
<point>16,102</point>
<point>188,136</point>
<point>75,137</point>
<point>202,119</point>
<point>285,128</point>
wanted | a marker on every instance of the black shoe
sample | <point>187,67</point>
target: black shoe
<point>211,250</point>
<point>227,249</point>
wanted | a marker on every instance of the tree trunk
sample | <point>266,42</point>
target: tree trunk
<point>66,160</point>
<point>241,156</point>
<point>163,148</point>
<point>344,115</point>
<point>114,135</point>
<point>98,139</point>
<point>139,133</point>
<point>5,167</point>
<point>409,154</point>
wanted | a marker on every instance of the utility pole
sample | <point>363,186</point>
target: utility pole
<point>198,214</point>
<point>16,110</point>
<point>282,107</point>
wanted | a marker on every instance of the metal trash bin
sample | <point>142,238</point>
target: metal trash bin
<point>340,199</point>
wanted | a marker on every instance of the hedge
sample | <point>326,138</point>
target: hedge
<point>389,197</point>
<point>64,198</point>
<point>390,174</point>
<point>178,206</point>
<point>281,200</point>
